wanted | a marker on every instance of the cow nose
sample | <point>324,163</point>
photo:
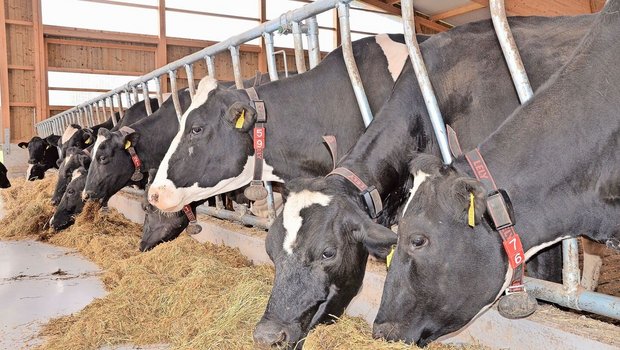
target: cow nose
<point>153,198</point>
<point>86,195</point>
<point>32,161</point>
<point>54,201</point>
<point>385,331</point>
<point>268,334</point>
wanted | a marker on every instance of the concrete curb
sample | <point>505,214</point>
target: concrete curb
<point>489,329</point>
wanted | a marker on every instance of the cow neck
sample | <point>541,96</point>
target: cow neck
<point>258,133</point>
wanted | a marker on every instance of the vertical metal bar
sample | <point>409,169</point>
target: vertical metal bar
<point>190,80</point>
<point>423,80</point>
<point>349,60</point>
<point>91,116</point>
<point>210,66</point>
<point>300,60</point>
<point>82,117</point>
<point>121,113</point>
<point>128,98</point>
<point>134,92</point>
<point>271,58</point>
<point>283,52</point>
<point>271,210</point>
<point>112,114</point>
<point>175,93</point>
<point>314,52</point>
<point>147,99</point>
<point>99,120</point>
<point>234,54</point>
<point>510,50</point>
<point>160,98</point>
<point>219,203</point>
<point>570,269</point>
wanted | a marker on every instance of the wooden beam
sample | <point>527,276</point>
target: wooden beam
<point>212,14</point>
<point>101,45</point>
<point>22,104</point>
<point>337,37</point>
<point>262,59</point>
<point>120,3</point>
<point>206,43</point>
<point>40,63</point>
<point>18,67</point>
<point>60,88</point>
<point>596,5</point>
<point>161,56</point>
<point>430,24</point>
<point>383,6</point>
<point>19,22</point>
<point>94,71</point>
<point>98,35</point>
<point>543,8</point>
<point>457,11</point>
<point>5,120</point>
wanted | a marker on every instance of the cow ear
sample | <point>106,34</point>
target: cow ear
<point>131,140</point>
<point>469,198</point>
<point>84,161</point>
<point>377,239</point>
<point>240,116</point>
<point>88,136</point>
<point>103,132</point>
<point>59,162</point>
<point>22,145</point>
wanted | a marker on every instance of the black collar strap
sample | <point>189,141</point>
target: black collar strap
<point>256,190</point>
<point>370,195</point>
<point>137,163</point>
<point>332,145</point>
<point>193,227</point>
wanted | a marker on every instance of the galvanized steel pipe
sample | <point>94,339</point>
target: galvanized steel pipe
<point>300,60</point>
<point>283,52</point>
<point>314,51</point>
<point>189,70</point>
<point>234,54</point>
<point>423,80</point>
<point>245,219</point>
<point>175,94</point>
<point>210,66</point>
<point>147,98</point>
<point>121,113</point>
<point>349,60</point>
<point>271,58</point>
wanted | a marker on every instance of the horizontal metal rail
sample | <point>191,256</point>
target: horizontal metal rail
<point>283,20</point>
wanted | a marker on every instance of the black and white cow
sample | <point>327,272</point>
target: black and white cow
<point>43,154</point>
<point>71,203</point>
<point>75,158</point>
<point>4,180</point>
<point>320,243</point>
<point>558,159</point>
<point>213,153</point>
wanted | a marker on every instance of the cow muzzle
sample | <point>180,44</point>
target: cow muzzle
<point>269,334</point>
<point>165,196</point>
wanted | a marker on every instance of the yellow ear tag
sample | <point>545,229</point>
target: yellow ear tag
<point>88,141</point>
<point>48,147</point>
<point>241,120</point>
<point>388,258</point>
<point>127,144</point>
<point>471,219</point>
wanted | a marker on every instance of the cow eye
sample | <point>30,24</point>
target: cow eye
<point>329,253</point>
<point>196,130</point>
<point>419,241</point>
<point>71,191</point>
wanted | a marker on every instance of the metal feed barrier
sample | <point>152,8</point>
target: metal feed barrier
<point>97,110</point>
<point>570,293</point>
<point>100,108</point>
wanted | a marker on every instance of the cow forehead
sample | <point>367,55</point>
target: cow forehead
<point>292,219</point>
<point>76,173</point>
<point>69,132</point>
<point>418,179</point>
<point>98,143</point>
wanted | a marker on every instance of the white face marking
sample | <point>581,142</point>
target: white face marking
<point>67,159</point>
<point>292,213</point>
<point>69,132</point>
<point>418,179</point>
<point>76,173</point>
<point>395,53</point>
<point>28,171</point>
<point>100,140</point>
<point>191,150</point>
<point>206,85</point>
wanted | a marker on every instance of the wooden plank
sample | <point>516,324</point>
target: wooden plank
<point>22,104</point>
<point>20,45</point>
<point>5,120</point>
<point>18,22</point>
<point>430,24</point>
<point>543,8</point>
<point>108,45</point>
<point>18,9</point>
<point>205,43</point>
<point>22,86</point>
<point>95,71</point>
<point>18,67</point>
<point>40,75</point>
<point>99,35</point>
<point>596,5</point>
<point>383,6</point>
<point>161,56</point>
<point>262,59</point>
<point>202,13</point>
<point>60,88</point>
<point>456,11</point>
<point>78,57</point>
<point>22,123</point>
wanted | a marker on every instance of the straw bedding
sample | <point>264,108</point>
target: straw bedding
<point>182,293</point>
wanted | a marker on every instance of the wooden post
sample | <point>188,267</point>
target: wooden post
<point>5,121</point>
<point>337,39</point>
<point>161,57</point>
<point>262,59</point>
<point>40,63</point>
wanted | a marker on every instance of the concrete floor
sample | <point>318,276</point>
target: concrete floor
<point>39,281</point>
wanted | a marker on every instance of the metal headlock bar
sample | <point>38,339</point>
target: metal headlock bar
<point>569,293</point>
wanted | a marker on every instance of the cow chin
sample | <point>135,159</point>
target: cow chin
<point>165,196</point>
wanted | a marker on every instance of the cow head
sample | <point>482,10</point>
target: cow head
<point>111,166</point>
<point>36,172</point>
<point>443,272</point>
<point>160,227</point>
<point>211,150</point>
<point>36,148</point>
<point>319,246</point>
<point>71,203</point>
<point>4,180</point>
<point>74,159</point>
<point>76,136</point>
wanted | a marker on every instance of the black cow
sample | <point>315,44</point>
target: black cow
<point>320,243</point>
<point>4,180</point>
<point>213,152</point>
<point>71,203</point>
<point>75,158</point>
<point>558,159</point>
<point>43,155</point>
